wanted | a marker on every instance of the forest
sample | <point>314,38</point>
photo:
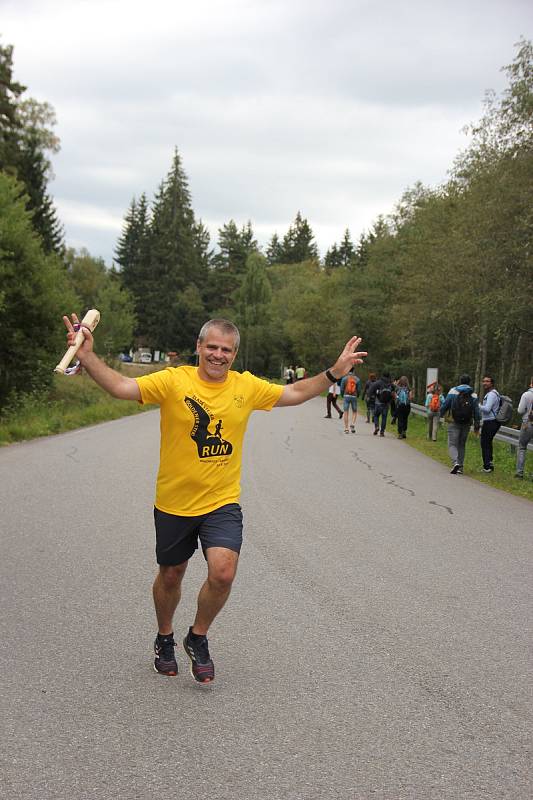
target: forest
<point>444,281</point>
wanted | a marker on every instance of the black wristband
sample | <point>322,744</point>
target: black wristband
<point>331,377</point>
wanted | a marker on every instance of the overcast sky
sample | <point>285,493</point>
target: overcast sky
<point>331,107</point>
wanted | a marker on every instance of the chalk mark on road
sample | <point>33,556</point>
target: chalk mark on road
<point>360,460</point>
<point>433,503</point>
<point>72,454</point>
<point>392,482</point>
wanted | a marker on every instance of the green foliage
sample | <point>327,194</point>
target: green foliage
<point>298,244</point>
<point>252,306</point>
<point>34,294</point>
<point>115,330</point>
<point>165,254</point>
<point>67,404</point>
<point>98,287</point>
<point>25,137</point>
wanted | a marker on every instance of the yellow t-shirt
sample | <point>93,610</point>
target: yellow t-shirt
<point>202,430</point>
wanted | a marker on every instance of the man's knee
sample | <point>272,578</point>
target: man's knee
<point>222,571</point>
<point>171,576</point>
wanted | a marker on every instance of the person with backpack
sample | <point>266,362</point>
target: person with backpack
<point>525,409</point>
<point>404,395</point>
<point>461,410</point>
<point>350,390</point>
<point>433,403</point>
<point>370,402</point>
<point>383,392</point>
<point>490,425</point>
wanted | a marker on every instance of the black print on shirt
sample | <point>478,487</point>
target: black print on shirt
<point>209,444</point>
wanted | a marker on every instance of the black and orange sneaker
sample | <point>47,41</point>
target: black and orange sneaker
<point>202,668</point>
<point>165,660</point>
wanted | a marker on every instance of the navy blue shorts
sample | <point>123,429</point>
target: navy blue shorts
<point>177,537</point>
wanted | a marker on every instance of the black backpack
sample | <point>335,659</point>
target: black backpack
<point>463,408</point>
<point>384,394</point>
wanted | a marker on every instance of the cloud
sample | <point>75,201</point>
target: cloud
<point>333,107</point>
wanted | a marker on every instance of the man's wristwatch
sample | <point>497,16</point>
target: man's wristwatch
<point>331,377</point>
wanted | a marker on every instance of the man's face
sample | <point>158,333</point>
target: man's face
<point>216,355</point>
<point>487,384</point>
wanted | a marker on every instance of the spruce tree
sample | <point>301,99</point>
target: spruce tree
<point>10,125</point>
<point>132,253</point>
<point>229,264</point>
<point>346,249</point>
<point>174,263</point>
<point>298,244</point>
<point>274,250</point>
<point>32,169</point>
<point>333,257</point>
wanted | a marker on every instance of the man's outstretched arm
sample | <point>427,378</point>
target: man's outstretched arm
<point>299,392</point>
<point>113,382</point>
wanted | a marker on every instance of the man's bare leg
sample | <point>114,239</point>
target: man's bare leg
<point>167,593</point>
<point>221,571</point>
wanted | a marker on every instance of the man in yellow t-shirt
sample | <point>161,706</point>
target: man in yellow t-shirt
<point>204,413</point>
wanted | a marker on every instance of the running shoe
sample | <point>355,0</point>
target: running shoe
<point>165,660</point>
<point>455,469</point>
<point>352,428</point>
<point>202,668</point>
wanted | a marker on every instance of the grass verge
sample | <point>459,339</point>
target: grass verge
<point>72,402</point>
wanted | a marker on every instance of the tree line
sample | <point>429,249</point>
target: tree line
<point>444,281</point>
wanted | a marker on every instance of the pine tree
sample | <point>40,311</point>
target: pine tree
<point>274,250</point>
<point>346,250</point>
<point>229,264</point>
<point>298,244</point>
<point>10,124</point>
<point>32,169</point>
<point>174,260</point>
<point>333,258</point>
<point>25,137</point>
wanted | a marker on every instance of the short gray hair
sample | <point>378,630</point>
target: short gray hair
<point>223,325</point>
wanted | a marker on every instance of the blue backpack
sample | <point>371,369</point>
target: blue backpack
<point>402,396</point>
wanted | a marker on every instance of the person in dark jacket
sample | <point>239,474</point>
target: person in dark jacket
<point>403,395</point>
<point>460,409</point>
<point>369,403</point>
<point>382,393</point>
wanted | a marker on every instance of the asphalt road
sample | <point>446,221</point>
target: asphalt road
<point>375,644</point>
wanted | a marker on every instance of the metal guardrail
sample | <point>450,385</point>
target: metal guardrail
<point>505,434</point>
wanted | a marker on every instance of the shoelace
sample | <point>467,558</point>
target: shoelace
<point>166,649</point>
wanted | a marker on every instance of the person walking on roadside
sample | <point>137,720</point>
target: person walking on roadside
<point>434,402</point>
<point>331,400</point>
<point>350,389</point>
<point>525,409</point>
<point>461,409</point>
<point>490,425</point>
<point>300,373</point>
<point>198,484</point>
<point>289,375</point>
<point>382,391</point>
<point>370,403</point>
<point>404,395</point>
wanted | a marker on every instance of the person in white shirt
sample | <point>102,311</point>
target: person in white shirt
<point>331,400</point>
